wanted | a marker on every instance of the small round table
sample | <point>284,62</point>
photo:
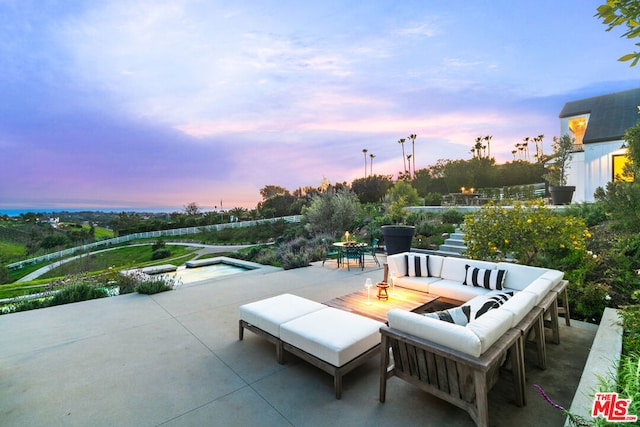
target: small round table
<point>383,295</point>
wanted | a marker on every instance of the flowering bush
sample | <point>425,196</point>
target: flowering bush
<point>527,232</point>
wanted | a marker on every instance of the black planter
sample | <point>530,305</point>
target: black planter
<point>562,195</point>
<point>397,238</point>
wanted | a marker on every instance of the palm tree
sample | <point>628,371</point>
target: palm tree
<point>488,140</point>
<point>525,144</point>
<point>538,141</point>
<point>401,142</point>
<point>364,151</point>
<point>409,160</point>
<point>514,154</point>
<point>371,156</point>
<point>478,147</point>
<point>413,137</point>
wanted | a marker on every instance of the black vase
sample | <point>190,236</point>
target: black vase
<point>562,195</point>
<point>397,238</point>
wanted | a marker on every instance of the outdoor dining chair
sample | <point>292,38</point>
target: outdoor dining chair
<point>331,253</point>
<point>355,252</point>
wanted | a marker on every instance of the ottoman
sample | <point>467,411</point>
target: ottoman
<point>333,340</point>
<point>264,317</point>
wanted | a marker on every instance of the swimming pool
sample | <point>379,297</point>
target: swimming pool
<point>216,268</point>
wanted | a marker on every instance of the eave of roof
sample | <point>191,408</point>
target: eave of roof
<point>610,115</point>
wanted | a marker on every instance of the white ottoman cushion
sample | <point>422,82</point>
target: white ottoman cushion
<point>268,314</point>
<point>332,335</point>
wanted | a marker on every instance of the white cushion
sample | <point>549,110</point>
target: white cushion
<point>268,314</point>
<point>455,290</point>
<point>421,284</point>
<point>490,327</point>
<point>435,265</point>
<point>397,265</point>
<point>332,335</point>
<point>456,337</point>
<point>520,276</point>
<point>540,288</point>
<point>554,276</point>
<point>520,305</point>
<point>453,268</point>
<point>491,278</point>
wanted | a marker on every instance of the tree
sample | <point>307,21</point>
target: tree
<point>622,13</point>
<point>192,209</point>
<point>372,188</point>
<point>364,151</point>
<point>371,156</point>
<point>562,153</point>
<point>413,137</point>
<point>272,190</point>
<point>332,212</point>
<point>400,195</point>
<point>401,142</point>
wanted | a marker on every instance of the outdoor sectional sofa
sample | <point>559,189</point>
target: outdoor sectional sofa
<point>459,361</point>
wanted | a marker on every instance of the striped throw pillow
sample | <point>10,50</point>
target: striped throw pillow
<point>484,278</point>
<point>458,315</point>
<point>417,265</point>
<point>494,301</point>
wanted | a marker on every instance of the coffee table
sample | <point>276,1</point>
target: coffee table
<point>405,299</point>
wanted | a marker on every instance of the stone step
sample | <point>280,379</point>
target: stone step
<point>454,242</point>
<point>452,248</point>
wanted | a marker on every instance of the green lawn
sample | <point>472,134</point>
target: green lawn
<point>122,258</point>
<point>10,250</point>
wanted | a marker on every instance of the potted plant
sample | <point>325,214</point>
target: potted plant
<point>557,167</point>
<point>398,237</point>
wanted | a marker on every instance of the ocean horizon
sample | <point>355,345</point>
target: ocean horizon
<point>13,212</point>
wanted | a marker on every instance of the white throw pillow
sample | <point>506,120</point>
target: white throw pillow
<point>484,278</point>
<point>417,265</point>
<point>457,315</point>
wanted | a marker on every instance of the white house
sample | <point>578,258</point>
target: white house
<point>598,125</point>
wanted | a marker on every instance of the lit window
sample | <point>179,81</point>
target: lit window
<point>577,126</point>
<point>619,173</point>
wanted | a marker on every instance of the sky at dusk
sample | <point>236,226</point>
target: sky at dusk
<point>156,104</point>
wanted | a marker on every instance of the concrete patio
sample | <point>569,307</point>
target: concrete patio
<point>174,359</point>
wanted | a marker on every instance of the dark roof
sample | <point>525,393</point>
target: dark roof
<point>610,115</point>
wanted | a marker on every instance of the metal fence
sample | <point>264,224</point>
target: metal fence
<point>146,235</point>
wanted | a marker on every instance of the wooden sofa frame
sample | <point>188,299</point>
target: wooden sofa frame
<point>456,377</point>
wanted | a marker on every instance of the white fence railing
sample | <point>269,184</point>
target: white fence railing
<point>146,235</point>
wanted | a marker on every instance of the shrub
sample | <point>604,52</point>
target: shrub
<point>153,285</point>
<point>526,232</point>
<point>452,216</point>
<point>160,254</point>
<point>292,259</point>
<point>77,292</point>
<point>158,244</point>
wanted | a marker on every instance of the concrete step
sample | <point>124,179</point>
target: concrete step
<point>457,235</point>
<point>454,242</point>
<point>452,248</point>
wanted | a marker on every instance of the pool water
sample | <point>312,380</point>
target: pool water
<point>189,275</point>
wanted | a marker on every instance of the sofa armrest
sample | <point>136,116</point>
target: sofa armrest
<point>397,265</point>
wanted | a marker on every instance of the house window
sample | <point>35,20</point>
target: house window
<point>577,126</point>
<point>619,162</point>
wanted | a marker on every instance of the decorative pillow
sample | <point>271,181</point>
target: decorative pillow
<point>483,278</point>
<point>457,315</point>
<point>417,265</point>
<point>494,301</point>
